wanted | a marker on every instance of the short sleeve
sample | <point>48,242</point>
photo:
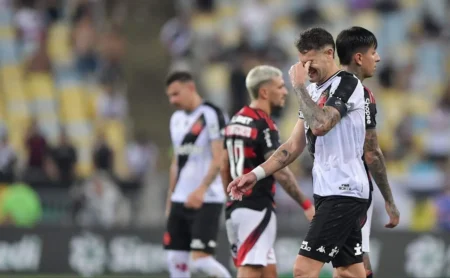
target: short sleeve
<point>346,87</point>
<point>268,137</point>
<point>215,124</point>
<point>300,115</point>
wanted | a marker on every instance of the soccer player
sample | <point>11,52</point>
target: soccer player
<point>250,138</point>
<point>357,51</point>
<point>195,197</point>
<point>332,123</point>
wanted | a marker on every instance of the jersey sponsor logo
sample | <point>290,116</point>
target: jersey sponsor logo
<point>212,244</point>
<point>334,252</point>
<point>305,246</point>
<point>367,111</point>
<point>238,130</point>
<point>323,98</point>
<point>358,249</point>
<point>188,149</point>
<point>321,249</point>
<point>344,187</point>
<point>267,137</point>
<point>239,119</point>
<point>197,127</point>
<point>197,244</point>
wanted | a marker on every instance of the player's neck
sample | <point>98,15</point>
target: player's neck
<point>262,105</point>
<point>333,69</point>
<point>196,102</point>
<point>355,70</point>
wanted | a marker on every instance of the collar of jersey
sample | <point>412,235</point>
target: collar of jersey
<point>196,108</point>
<point>326,81</point>
<point>257,109</point>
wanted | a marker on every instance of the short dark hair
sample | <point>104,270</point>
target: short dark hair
<point>314,39</point>
<point>353,40</point>
<point>182,76</point>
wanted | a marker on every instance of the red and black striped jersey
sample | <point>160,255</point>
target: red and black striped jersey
<point>249,137</point>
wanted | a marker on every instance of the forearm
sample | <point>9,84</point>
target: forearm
<point>281,158</point>
<point>314,115</point>
<point>287,180</point>
<point>213,170</point>
<point>173,175</point>
<point>225,176</point>
<point>377,168</point>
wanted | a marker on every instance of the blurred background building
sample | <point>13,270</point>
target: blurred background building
<point>84,117</point>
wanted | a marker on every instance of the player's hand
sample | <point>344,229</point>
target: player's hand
<point>394,215</point>
<point>309,213</point>
<point>299,74</point>
<point>195,199</point>
<point>239,186</point>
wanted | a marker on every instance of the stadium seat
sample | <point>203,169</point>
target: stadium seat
<point>43,103</point>
<point>58,45</point>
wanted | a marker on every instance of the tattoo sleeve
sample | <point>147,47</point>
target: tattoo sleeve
<point>376,164</point>
<point>321,120</point>
<point>287,180</point>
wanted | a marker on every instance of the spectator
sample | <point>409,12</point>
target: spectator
<point>176,36</point>
<point>29,24</point>
<point>37,147</point>
<point>53,11</point>
<point>103,155</point>
<point>104,204</point>
<point>40,61</point>
<point>84,38</point>
<point>8,159</point>
<point>142,156</point>
<point>112,104</point>
<point>442,204</point>
<point>64,157</point>
<point>112,50</point>
<point>256,18</point>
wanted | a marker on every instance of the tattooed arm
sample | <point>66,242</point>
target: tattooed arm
<point>320,120</point>
<point>288,151</point>
<point>375,162</point>
<point>287,180</point>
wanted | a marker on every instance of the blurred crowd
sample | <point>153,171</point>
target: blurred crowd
<point>64,113</point>
<point>220,40</point>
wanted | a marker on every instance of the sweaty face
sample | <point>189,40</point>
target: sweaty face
<point>277,92</point>
<point>320,59</point>
<point>179,94</point>
<point>369,62</point>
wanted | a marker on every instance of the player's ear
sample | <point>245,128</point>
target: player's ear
<point>358,58</point>
<point>263,93</point>
<point>192,87</point>
<point>330,52</point>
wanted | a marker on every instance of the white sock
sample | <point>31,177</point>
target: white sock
<point>211,267</point>
<point>178,264</point>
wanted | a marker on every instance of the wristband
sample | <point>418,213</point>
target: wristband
<point>306,204</point>
<point>259,173</point>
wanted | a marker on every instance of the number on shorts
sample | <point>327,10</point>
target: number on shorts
<point>235,150</point>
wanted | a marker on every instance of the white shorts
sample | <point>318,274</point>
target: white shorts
<point>366,230</point>
<point>251,235</point>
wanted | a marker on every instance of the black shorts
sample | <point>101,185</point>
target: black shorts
<point>335,231</point>
<point>191,229</point>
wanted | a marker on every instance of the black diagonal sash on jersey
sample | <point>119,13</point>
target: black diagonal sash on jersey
<point>190,138</point>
